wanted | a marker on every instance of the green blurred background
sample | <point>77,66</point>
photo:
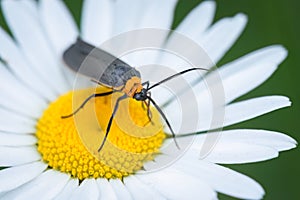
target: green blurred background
<point>269,22</point>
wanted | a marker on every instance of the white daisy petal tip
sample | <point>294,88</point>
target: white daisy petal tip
<point>251,108</point>
<point>220,36</point>
<point>290,146</point>
<point>245,146</point>
<point>241,18</point>
<point>276,140</point>
<point>286,102</point>
<point>254,194</point>
<point>208,5</point>
<point>245,153</point>
<point>280,101</point>
<point>203,15</point>
<point>278,52</point>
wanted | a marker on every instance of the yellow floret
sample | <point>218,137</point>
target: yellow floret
<point>71,145</point>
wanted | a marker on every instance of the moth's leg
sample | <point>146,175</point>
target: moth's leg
<point>144,104</point>
<point>166,120</point>
<point>149,113</point>
<point>111,119</point>
<point>86,100</point>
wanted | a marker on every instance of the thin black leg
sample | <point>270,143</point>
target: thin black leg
<point>149,114</point>
<point>86,100</point>
<point>149,111</point>
<point>111,119</point>
<point>165,118</point>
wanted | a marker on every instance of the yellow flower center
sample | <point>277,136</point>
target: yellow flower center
<point>71,144</point>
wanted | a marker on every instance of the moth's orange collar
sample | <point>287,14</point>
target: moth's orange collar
<point>133,86</point>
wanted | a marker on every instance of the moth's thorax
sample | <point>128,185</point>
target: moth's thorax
<point>132,86</point>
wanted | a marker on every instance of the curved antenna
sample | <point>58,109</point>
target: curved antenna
<point>175,75</point>
<point>165,118</point>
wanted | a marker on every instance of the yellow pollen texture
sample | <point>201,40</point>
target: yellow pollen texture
<point>71,144</point>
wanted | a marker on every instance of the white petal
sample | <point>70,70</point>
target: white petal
<point>120,189</point>
<point>106,190</point>
<point>88,189</point>
<point>18,64</point>
<point>34,43</point>
<point>30,104</point>
<point>187,48</point>
<point>222,179</point>
<point>47,186</point>
<point>12,122</point>
<point>197,21</point>
<point>61,29</point>
<point>249,71</point>
<point>142,15</point>
<point>164,159</point>
<point>157,14</point>
<point>30,6</point>
<point>10,139</point>
<point>188,53</point>
<point>222,35</point>
<point>205,118</point>
<point>2,194</point>
<point>236,153</point>
<point>179,54</point>
<point>240,146</point>
<point>248,109</point>
<point>221,87</point>
<point>230,152</point>
<point>97,21</point>
<point>276,140</point>
<point>174,184</point>
<point>12,156</point>
<point>216,42</point>
<point>68,190</point>
<point>140,190</point>
<point>14,177</point>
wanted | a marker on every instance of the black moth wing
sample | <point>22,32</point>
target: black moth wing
<point>98,64</point>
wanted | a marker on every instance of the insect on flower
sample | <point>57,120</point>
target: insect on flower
<point>114,74</point>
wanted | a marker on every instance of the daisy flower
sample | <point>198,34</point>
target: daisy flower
<point>44,156</point>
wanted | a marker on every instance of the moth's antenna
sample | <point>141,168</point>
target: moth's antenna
<point>175,75</point>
